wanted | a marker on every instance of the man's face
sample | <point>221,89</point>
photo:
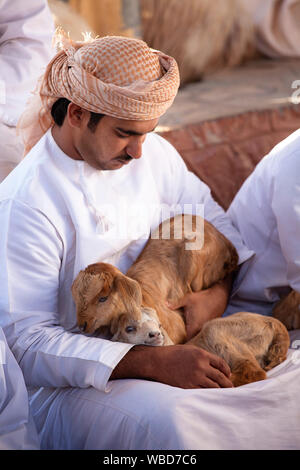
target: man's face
<point>113,143</point>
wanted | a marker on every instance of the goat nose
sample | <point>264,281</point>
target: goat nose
<point>154,334</point>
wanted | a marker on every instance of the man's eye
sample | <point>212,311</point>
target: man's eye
<point>102,299</point>
<point>130,329</point>
<point>122,134</point>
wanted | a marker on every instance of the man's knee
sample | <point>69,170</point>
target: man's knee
<point>134,414</point>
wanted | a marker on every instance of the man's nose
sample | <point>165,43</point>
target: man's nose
<point>134,148</point>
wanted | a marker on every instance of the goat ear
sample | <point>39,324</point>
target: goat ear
<point>114,325</point>
<point>129,290</point>
<point>107,283</point>
<point>80,286</point>
<point>85,287</point>
<point>152,313</point>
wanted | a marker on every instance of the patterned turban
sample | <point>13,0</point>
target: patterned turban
<point>116,76</point>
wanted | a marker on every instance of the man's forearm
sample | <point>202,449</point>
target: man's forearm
<point>184,366</point>
<point>138,363</point>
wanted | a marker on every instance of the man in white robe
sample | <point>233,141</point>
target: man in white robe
<point>276,24</point>
<point>26,30</point>
<point>17,429</point>
<point>56,218</point>
<point>266,212</point>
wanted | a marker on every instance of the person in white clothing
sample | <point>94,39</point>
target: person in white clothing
<point>17,429</point>
<point>26,30</point>
<point>91,155</point>
<point>266,213</point>
<point>276,23</point>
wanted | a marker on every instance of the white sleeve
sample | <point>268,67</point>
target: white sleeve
<point>17,430</point>
<point>286,207</point>
<point>187,189</point>
<point>50,356</point>
<point>26,30</point>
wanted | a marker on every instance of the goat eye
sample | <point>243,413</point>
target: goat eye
<point>102,299</point>
<point>130,329</point>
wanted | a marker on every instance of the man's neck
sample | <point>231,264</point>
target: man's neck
<point>63,140</point>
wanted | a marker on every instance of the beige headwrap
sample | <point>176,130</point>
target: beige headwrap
<point>116,76</point>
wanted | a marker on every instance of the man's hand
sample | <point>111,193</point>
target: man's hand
<point>185,366</point>
<point>199,307</point>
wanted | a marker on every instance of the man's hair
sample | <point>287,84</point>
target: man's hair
<point>59,112</point>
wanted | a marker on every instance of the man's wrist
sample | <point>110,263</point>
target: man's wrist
<point>140,362</point>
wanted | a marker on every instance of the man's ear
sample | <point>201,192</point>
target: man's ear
<point>77,116</point>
